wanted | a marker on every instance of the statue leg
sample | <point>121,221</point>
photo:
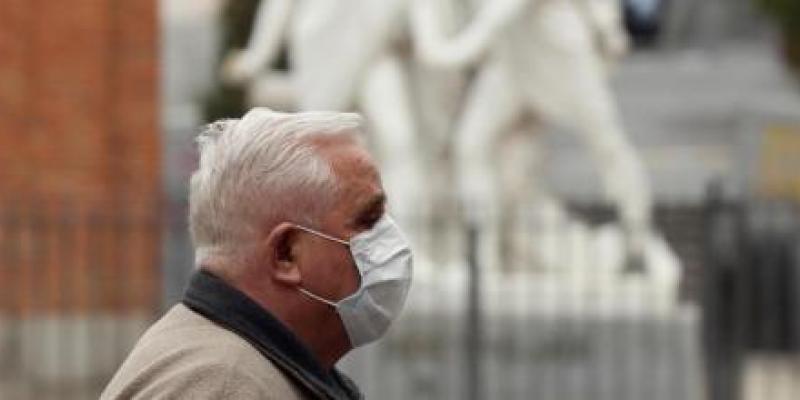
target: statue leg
<point>620,167</point>
<point>491,107</point>
<point>384,101</point>
<point>519,177</point>
<point>437,100</point>
<point>536,224</point>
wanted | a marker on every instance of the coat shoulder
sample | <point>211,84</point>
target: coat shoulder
<point>185,355</point>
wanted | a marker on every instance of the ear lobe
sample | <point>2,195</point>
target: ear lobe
<point>283,241</point>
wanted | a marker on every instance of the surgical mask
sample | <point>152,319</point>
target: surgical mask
<point>383,258</point>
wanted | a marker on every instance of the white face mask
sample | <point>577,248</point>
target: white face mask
<point>383,257</point>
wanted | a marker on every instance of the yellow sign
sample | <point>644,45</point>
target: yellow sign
<point>779,166</point>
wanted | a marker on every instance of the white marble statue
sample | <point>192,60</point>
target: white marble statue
<point>344,54</point>
<point>548,59</point>
<point>540,57</point>
<point>355,54</point>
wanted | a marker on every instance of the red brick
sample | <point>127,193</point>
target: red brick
<point>79,121</point>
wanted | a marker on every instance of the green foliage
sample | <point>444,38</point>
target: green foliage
<point>237,23</point>
<point>227,101</point>
<point>785,12</point>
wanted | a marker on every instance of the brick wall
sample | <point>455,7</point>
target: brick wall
<point>79,155</point>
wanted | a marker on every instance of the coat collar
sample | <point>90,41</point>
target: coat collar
<point>216,300</point>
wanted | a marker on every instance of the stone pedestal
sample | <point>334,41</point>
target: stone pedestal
<point>543,337</point>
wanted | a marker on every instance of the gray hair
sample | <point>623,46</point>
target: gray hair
<point>258,171</point>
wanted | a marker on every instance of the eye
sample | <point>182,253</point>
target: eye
<point>368,220</point>
<point>370,213</point>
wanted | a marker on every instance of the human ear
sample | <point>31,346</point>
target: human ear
<point>282,242</point>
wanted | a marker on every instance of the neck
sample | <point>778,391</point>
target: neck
<point>316,324</point>
<point>328,345</point>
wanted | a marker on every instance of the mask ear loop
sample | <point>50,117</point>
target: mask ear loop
<point>323,235</point>
<point>315,297</point>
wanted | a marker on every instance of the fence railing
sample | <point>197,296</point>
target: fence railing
<point>79,284</point>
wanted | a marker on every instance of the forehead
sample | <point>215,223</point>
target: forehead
<point>355,169</point>
<point>347,157</point>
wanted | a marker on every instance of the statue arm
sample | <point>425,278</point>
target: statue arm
<point>604,20</point>
<point>468,46</point>
<point>264,43</point>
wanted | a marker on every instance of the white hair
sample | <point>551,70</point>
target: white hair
<point>258,171</point>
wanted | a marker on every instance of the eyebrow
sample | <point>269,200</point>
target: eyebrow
<point>371,209</point>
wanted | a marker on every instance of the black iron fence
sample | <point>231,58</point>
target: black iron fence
<point>79,284</point>
<point>751,298</point>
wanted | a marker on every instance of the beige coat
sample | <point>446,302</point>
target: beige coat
<point>186,356</point>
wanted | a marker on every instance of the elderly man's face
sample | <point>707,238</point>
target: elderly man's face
<point>328,268</point>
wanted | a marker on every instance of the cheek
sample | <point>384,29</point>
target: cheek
<point>334,271</point>
<point>347,273</point>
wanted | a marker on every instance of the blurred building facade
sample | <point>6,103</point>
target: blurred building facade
<point>79,188</point>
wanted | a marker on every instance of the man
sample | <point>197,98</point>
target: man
<point>298,264</point>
